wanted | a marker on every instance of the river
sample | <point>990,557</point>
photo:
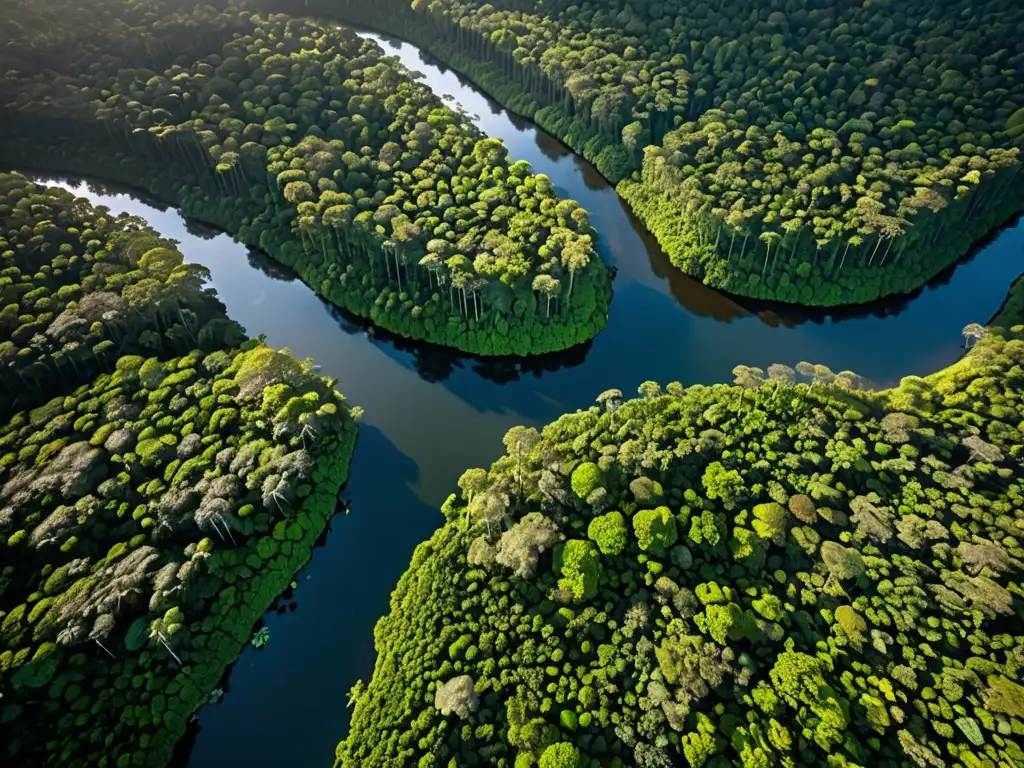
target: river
<point>431,413</point>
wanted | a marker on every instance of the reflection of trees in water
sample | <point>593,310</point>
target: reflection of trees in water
<point>199,229</point>
<point>272,269</point>
<point>95,186</point>
<point>690,294</point>
<point>435,363</point>
<point>549,146</point>
<point>553,149</point>
<point>698,299</point>
<point>592,178</point>
<point>890,306</point>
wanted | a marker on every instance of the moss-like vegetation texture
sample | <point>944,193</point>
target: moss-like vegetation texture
<point>820,153</point>
<point>306,141</point>
<point>787,573</point>
<point>151,511</point>
<point>80,287</point>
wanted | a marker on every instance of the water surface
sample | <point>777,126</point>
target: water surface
<point>431,413</point>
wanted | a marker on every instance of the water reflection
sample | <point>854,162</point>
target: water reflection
<point>623,241</point>
<point>433,412</point>
<point>437,364</point>
<point>296,685</point>
<point>268,266</point>
<point>200,229</point>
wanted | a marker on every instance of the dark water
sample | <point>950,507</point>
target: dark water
<point>431,413</point>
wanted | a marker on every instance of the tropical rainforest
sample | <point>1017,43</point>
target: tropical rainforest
<point>789,571</point>
<point>162,477</point>
<point>794,569</point>
<point>799,150</point>
<point>306,141</point>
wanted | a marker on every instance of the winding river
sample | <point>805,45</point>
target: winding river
<point>431,413</point>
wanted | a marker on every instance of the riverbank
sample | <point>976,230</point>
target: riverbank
<point>662,327</point>
<point>825,281</point>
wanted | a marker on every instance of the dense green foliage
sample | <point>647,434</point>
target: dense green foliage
<point>824,153</point>
<point>306,141</point>
<point>79,288</point>
<point>148,514</point>
<point>786,572</point>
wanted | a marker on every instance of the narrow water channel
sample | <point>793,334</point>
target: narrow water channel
<point>431,413</point>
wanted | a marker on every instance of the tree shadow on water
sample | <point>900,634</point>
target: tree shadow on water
<point>270,267</point>
<point>435,363</point>
<point>317,651</point>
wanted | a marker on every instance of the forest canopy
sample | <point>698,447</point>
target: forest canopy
<point>820,153</point>
<point>159,460</point>
<point>304,140</point>
<point>80,287</point>
<point>787,571</point>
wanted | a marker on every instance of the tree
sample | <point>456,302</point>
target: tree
<point>519,441</point>
<point>982,450</point>
<point>575,256</point>
<point>722,483</point>
<point>973,332</point>
<point>72,634</point>
<point>802,507</point>
<point>549,287</point>
<point>560,755</point>
<point>457,697</point>
<point>101,629</point>
<point>214,513</point>
<point>841,562</point>
<point>610,399</point>
<point>655,529</point>
<point>585,478</point>
<point>521,546</point>
<point>770,522</point>
<point>747,378</point>
<point>489,506</point>
<point>871,520</point>
<point>355,693</point>
<point>579,568</point>
<point>161,630</point>
<point>472,482</point>
<point>608,531</point>
<point>781,375</point>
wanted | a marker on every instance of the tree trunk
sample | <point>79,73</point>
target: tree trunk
<point>101,645</point>
<point>878,242</point>
<point>799,234</point>
<point>164,642</point>
<point>884,255</point>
